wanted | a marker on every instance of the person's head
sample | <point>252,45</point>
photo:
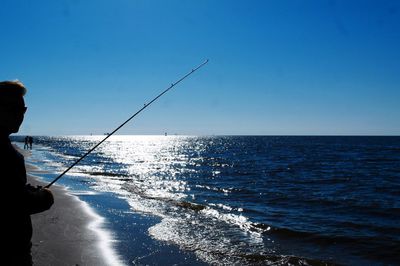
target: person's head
<point>12,106</point>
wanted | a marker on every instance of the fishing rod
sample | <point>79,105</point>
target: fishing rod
<point>129,119</point>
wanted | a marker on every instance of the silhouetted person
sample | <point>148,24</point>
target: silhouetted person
<point>18,199</point>
<point>30,140</point>
<point>26,145</point>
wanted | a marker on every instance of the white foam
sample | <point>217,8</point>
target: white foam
<point>83,192</point>
<point>105,238</point>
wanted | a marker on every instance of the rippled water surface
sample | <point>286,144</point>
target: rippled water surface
<point>252,200</point>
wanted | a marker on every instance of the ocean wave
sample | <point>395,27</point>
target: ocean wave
<point>110,174</point>
<point>212,243</point>
<point>372,243</point>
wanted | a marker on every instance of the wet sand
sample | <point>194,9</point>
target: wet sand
<point>69,233</point>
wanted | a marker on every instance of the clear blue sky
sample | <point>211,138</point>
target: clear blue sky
<point>276,67</point>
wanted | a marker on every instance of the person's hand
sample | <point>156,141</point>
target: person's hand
<point>46,197</point>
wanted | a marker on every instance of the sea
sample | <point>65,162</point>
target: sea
<point>238,200</point>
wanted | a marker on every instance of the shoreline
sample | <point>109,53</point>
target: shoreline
<point>71,232</point>
<point>86,227</point>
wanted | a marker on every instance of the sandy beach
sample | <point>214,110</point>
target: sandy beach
<point>69,233</point>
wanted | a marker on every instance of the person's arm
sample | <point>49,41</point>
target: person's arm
<point>37,199</point>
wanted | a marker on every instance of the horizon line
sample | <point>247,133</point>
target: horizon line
<point>218,135</point>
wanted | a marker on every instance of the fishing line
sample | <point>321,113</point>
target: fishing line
<point>129,119</point>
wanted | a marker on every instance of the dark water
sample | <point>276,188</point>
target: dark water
<point>252,200</point>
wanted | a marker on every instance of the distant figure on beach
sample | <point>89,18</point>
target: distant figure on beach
<point>19,199</point>
<point>26,145</point>
<point>30,140</point>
